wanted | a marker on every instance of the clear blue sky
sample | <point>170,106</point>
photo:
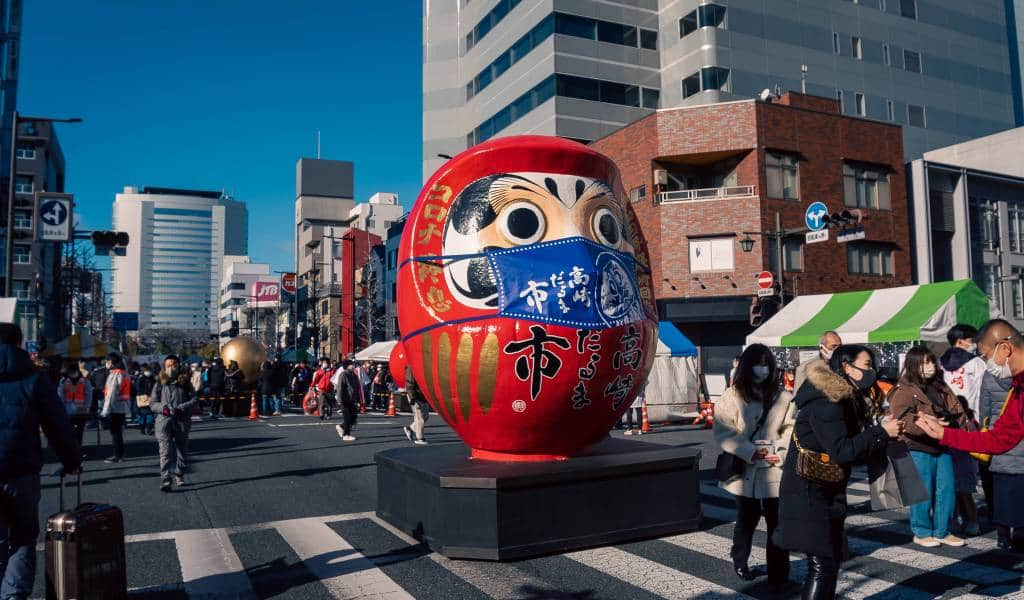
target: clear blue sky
<point>227,94</point>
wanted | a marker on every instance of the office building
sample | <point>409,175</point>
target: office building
<point>238,313</point>
<point>583,68</point>
<point>967,204</point>
<point>708,204</point>
<point>171,274</point>
<point>42,301</point>
<point>376,214</point>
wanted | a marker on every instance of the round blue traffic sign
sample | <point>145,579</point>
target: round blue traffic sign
<point>816,216</point>
<point>53,212</point>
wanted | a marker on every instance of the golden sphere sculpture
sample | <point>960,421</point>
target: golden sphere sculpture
<point>249,355</point>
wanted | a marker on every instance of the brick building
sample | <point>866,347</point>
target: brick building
<point>703,178</point>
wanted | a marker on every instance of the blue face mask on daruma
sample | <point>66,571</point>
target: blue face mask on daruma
<point>573,282</point>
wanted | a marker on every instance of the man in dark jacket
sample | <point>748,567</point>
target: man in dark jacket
<point>172,401</point>
<point>217,380</point>
<point>348,393</point>
<point>27,402</point>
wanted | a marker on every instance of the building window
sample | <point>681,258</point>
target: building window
<point>20,289</point>
<point>651,98</point>
<point>865,187</point>
<point>616,33</point>
<point>912,61</point>
<point>371,223</point>
<point>885,55</point>
<point>708,15</point>
<point>916,116</point>
<point>489,21</point>
<point>22,254</point>
<point>781,174</point>
<point>862,109</point>
<point>1015,214</point>
<point>27,152</point>
<point>792,255</point>
<point>835,42</point>
<point>839,97</point>
<point>1018,293</point>
<point>517,52</point>
<point>22,220</point>
<point>855,48</point>
<point>711,254</point>
<point>908,8</point>
<point>648,39</point>
<point>23,184</point>
<point>691,85</point>
<point>890,110</point>
<point>865,258</point>
<point>708,78</point>
<point>638,193</point>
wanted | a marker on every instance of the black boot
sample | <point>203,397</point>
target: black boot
<point>822,574</point>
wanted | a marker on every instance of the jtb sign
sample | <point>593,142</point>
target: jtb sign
<point>266,293</point>
<point>53,217</point>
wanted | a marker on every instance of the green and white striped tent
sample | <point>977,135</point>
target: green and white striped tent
<point>904,314</point>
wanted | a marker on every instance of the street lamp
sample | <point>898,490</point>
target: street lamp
<point>747,243</point>
<point>9,258</point>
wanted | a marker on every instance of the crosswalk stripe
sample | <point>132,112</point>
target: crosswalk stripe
<point>344,571</point>
<point>209,565</point>
<point>651,576</point>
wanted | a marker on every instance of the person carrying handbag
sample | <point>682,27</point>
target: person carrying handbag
<point>833,431</point>
<point>753,422</point>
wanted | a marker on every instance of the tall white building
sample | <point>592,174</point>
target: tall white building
<point>376,214</point>
<point>236,295</point>
<point>171,274</point>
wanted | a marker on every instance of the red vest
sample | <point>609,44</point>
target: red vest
<point>74,392</point>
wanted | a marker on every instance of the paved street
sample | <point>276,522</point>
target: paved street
<point>280,509</point>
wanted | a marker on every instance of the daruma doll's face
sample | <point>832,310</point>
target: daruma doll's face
<point>524,298</point>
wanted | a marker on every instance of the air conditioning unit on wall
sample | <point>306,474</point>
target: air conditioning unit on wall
<point>660,177</point>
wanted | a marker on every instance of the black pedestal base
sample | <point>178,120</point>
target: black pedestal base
<point>462,508</point>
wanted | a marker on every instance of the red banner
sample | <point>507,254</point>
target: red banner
<point>288,283</point>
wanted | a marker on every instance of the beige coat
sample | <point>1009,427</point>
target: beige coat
<point>735,419</point>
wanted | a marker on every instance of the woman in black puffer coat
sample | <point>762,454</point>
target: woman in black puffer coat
<point>833,418</point>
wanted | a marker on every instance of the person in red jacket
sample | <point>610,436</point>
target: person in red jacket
<point>324,388</point>
<point>1002,347</point>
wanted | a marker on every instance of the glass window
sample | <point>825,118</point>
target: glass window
<point>22,254</point>
<point>835,43</point>
<point>469,91</point>
<point>23,184</point>
<point>792,255</point>
<point>22,220</point>
<point>1018,293</point>
<point>885,55</point>
<point>27,152</point>
<point>715,78</point>
<point>652,98</point>
<point>543,30</point>
<point>522,47</point>
<point>502,119</point>
<point>842,104</point>
<point>916,116</point>
<point>469,41</point>
<point>864,187</point>
<point>855,47</point>
<point>575,26</point>
<point>578,87</point>
<point>648,39</point>
<point>711,254</point>
<point>866,258</point>
<point>711,15</point>
<point>615,33</point>
<point>862,109</point>
<point>544,91</point>
<point>501,64</point>
<point>781,174</point>
<point>20,289</point>
<point>890,110</point>
<point>521,106</point>
<point>912,61</point>
<point>688,24</point>
<point>483,79</point>
<point>1015,216</point>
<point>908,8</point>
<point>691,85</point>
<point>638,193</point>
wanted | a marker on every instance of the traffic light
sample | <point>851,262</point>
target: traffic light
<point>763,309</point>
<point>107,242</point>
<point>845,218</point>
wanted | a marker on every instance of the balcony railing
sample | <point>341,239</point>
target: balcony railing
<point>707,194</point>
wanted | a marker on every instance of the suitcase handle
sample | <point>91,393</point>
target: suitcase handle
<point>79,478</point>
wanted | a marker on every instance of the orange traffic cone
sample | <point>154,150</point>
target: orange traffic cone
<point>391,407</point>
<point>254,413</point>
<point>645,425</point>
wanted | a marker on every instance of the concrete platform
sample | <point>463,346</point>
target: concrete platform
<point>622,490</point>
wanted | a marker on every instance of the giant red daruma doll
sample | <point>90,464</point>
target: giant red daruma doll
<point>524,298</point>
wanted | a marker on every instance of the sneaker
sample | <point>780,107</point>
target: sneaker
<point>972,529</point>
<point>113,459</point>
<point>340,431</point>
<point>627,432</point>
<point>179,480</point>
<point>348,438</point>
<point>927,542</point>
<point>408,432</point>
<point>420,442</point>
<point>165,486</point>
<point>276,414</point>
<point>952,540</point>
<point>639,431</point>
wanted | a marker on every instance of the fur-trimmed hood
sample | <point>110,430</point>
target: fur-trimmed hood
<point>823,381</point>
<point>183,379</point>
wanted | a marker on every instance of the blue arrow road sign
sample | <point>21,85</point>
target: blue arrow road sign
<point>53,212</point>
<point>815,217</point>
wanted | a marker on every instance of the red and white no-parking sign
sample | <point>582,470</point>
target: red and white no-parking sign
<point>765,280</point>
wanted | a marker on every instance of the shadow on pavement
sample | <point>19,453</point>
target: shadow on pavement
<point>205,485</point>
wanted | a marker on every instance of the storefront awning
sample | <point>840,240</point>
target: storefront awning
<point>377,352</point>
<point>672,342</point>
<point>904,314</point>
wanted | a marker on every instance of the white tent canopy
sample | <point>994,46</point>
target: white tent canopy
<point>671,390</point>
<point>377,351</point>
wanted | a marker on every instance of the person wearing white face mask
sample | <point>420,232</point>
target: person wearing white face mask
<point>753,423</point>
<point>827,344</point>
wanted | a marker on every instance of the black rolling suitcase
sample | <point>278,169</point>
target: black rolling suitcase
<point>85,552</point>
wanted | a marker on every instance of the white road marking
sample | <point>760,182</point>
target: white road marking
<point>210,566</point>
<point>345,572</point>
<point>651,576</point>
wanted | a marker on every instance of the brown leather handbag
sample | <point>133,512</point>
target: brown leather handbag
<point>816,466</point>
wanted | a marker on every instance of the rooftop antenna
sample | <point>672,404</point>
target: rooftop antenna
<point>803,79</point>
<point>318,144</point>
